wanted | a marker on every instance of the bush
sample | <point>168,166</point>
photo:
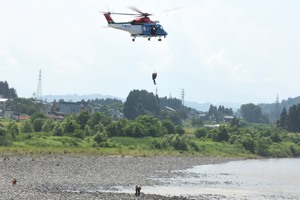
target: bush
<point>248,143</point>
<point>57,130</point>
<point>4,139</point>
<point>179,130</point>
<point>295,151</point>
<point>48,125</point>
<point>27,127</point>
<point>180,143</point>
<point>100,137</point>
<point>78,133</point>
<point>13,130</point>
<point>221,134</point>
<point>201,133</point>
<point>262,146</point>
<point>38,124</point>
<point>174,141</point>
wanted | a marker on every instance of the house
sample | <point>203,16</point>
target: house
<point>69,107</point>
<point>116,114</point>
<point>211,126</point>
<point>23,117</point>
<point>228,118</point>
<point>8,114</point>
<point>3,103</point>
<point>56,117</point>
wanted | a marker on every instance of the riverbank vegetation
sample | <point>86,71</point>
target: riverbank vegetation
<point>144,136</point>
<point>146,124</point>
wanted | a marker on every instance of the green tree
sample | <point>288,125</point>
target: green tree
<point>27,127</point>
<point>253,114</point>
<point>169,126</point>
<point>96,118</point>
<point>13,130</point>
<point>151,125</point>
<point>235,122</point>
<point>6,91</point>
<point>4,139</point>
<point>98,128</point>
<point>140,103</point>
<point>180,143</point>
<point>38,124</point>
<point>201,132</point>
<point>87,130</point>
<point>100,137</point>
<point>69,126</point>
<point>222,134</point>
<point>179,130</point>
<point>37,120</point>
<point>48,125</point>
<point>248,143</point>
<point>27,106</point>
<point>117,128</point>
<point>293,119</point>
<point>283,118</point>
<point>57,130</point>
<point>134,129</point>
<point>83,118</point>
<point>262,146</point>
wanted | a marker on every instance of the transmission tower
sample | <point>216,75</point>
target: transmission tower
<point>276,110</point>
<point>39,88</point>
<point>182,97</point>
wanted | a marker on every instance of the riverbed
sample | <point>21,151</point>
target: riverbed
<point>115,177</point>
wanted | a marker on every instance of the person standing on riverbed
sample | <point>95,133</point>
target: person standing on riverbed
<point>14,181</point>
<point>138,190</point>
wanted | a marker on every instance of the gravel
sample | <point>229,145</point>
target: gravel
<point>89,177</point>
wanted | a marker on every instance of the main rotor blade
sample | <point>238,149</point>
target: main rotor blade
<point>135,9</point>
<point>114,13</point>
<point>142,13</point>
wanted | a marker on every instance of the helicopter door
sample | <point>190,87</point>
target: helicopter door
<point>146,30</point>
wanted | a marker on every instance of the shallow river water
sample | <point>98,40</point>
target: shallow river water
<point>247,179</point>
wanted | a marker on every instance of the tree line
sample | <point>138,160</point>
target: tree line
<point>290,120</point>
<point>97,125</point>
<point>6,91</point>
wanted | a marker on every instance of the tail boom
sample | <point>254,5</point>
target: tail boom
<point>108,18</point>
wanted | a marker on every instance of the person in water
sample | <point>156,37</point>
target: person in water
<point>138,190</point>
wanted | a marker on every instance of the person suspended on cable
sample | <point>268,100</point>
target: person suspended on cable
<point>154,75</point>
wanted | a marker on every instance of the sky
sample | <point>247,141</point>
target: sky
<point>216,50</point>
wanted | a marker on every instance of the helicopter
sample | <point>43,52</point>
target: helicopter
<point>142,26</point>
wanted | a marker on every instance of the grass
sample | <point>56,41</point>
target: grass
<point>40,144</point>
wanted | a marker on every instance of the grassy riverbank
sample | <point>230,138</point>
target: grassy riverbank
<point>41,144</point>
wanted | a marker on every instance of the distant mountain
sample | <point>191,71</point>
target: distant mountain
<point>205,106</point>
<point>76,97</point>
<point>198,106</point>
<point>273,110</point>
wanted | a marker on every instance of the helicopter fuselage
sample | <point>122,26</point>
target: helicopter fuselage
<point>141,30</point>
<point>148,30</point>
